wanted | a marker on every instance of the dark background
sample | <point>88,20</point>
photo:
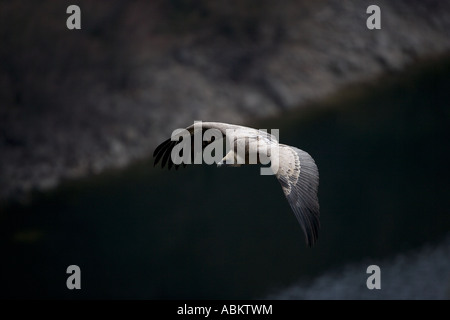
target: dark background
<point>81,112</point>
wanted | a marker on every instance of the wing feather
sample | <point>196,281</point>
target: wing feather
<point>159,151</point>
<point>163,152</point>
<point>299,178</point>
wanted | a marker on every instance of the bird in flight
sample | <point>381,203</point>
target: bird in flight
<point>295,169</point>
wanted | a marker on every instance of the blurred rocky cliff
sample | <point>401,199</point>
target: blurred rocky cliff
<point>76,102</point>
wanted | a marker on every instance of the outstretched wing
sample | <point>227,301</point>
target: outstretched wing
<point>299,178</point>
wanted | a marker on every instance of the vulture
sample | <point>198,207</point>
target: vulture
<point>295,169</point>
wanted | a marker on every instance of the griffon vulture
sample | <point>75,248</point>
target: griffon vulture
<point>294,168</point>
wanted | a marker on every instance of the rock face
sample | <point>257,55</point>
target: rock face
<point>74,102</point>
